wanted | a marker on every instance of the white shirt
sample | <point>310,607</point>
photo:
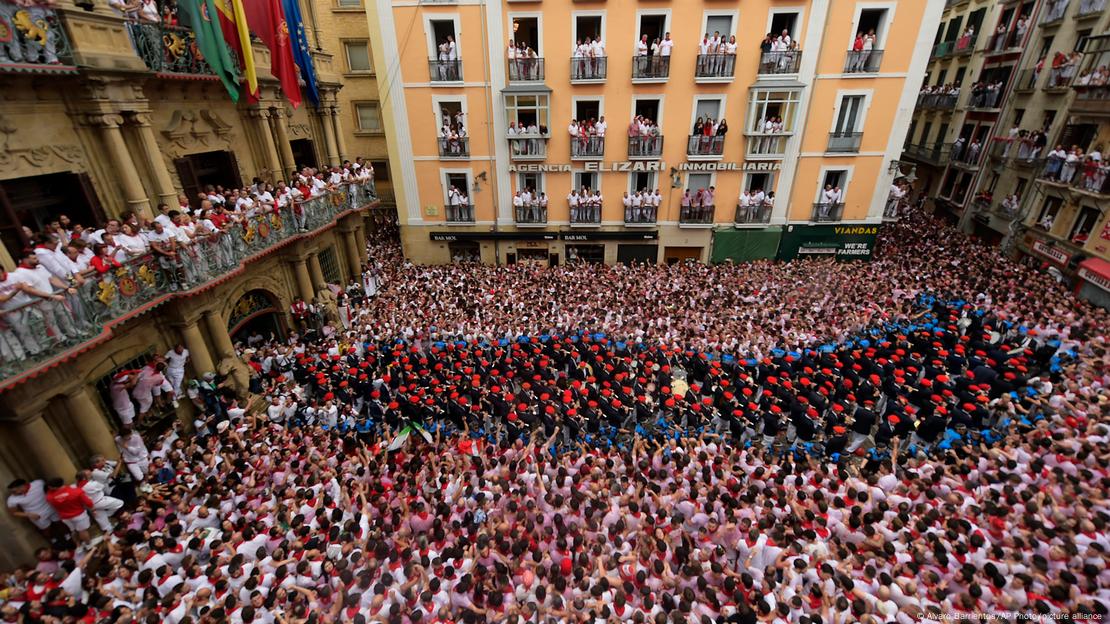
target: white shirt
<point>176,361</point>
<point>665,47</point>
<point>33,501</point>
<point>641,48</point>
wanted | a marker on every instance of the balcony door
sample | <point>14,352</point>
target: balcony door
<point>850,115</point>
<point>199,171</point>
<point>35,201</point>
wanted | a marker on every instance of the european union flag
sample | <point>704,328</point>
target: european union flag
<point>301,55</point>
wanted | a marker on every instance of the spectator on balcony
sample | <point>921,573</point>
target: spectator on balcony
<point>128,9</point>
<point>149,13</point>
<point>862,48</point>
<point>458,205</point>
<point>958,148</point>
<point>573,202</point>
<point>830,197</point>
<point>1071,164</point>
<point>973,151</point>
<point>1010,204</point>
<point>744,207</point>
<point>1093,174</point>
<point>49,295</point>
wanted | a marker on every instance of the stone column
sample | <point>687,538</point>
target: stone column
<point>120,158</point>
<point>199,356</point>
<point>350,246</point>
<point>39,443</point>
<point>217,331</point>
<point>360,241</point>
<point>167,194</point>
<point>329,134</point>
<point>316,272</point>
<point>304,282</point>
<point>340,142</point>
<point>89,422</point>
<point>281,135</point>
<point>260,120</point>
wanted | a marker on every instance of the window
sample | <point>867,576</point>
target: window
<point>358,56</point>
<point>329,266</point>
<point>707,108</point>
<point>1019,115</point>
<point>873,21</point>
<point>925,132</point>
<point>587,109</point>
<point>836,179</point>
<point>442,33</point>
<point>648,108</point>
<point>528,110</point>
<point>532,181</point>
<point>642,181</point>
<point>762,181</point>
<point>699,182</point>
<point>588,27</point>
<point>850,118</point>
<point>369,116</point>
<point>1084,223</point>
<point>1048,213</point>
<point>586,179</point>
<point>450,112</point>
<point>785,22</point>
<point>772,105</point>
<point>349,4</point>
<point>526,31</point>
<point>653,25</point>
<point>381,170</point>
<point>719,25</point>
<point>460,181</point>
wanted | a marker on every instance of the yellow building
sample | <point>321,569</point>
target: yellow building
<point>100,116</point>
<point>843,112</point>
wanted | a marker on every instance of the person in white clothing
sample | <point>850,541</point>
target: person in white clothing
<point>175,369</point>
<point>104,506</point>
<point>27,499</point>
<point>133,452</point>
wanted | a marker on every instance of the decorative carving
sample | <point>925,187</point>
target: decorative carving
<point>39,157</point>
<point>300,130</point>
<point>188,129</point>
<point>104,120</point>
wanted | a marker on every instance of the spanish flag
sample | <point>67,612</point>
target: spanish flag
<point>233,23</point>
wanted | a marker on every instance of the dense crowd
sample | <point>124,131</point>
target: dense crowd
<point>887,441</point>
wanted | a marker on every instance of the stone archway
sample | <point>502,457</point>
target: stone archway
<point>256,311</point>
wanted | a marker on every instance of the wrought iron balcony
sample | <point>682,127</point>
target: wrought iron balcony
<point>445,71</point>
<point>753,214</point>
<point>936,154</point>
<point>701,145</point>
<point>844,142</point>
<point>651,67</point>
<point>715,66</point>
<point>1059,78</point>
<point>33,40</point>
<point>938,101</point>
<point>170,50</point>
<point>696,215</point>
<point>1088,8</point>
<point>457,147</point>
<point>530,214</point>
<point>46,330</point>
<point>985,99</point>
<point>525,69</point>
<point>827,212</point>
<point>968,154</point>
<point>528,146</point>
<point>786,62</point>
<point>646,147</point>
<point>640,215</point>
<point>942,49</point>
<point>1090,177</point>
<point>460,213</point>
<point>1000,42</point>
<point>1090,98</point>
<point>585,213</point>
<point>965,45</point>
<point>1026,80</point>
<point>587,148</point>
<point>1054,11</point>
<point>586,68</point>
<point>863,61</point>
<point>766,143</point>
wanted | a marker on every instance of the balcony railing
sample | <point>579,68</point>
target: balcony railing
<point>844,142</point>
<point>585,213</point>
<point>651,67</point>
<point>1088,8</point>
<point>1058,170</point>
<point>1005,40</point>
<point>1026,80</point>
<point>525,69</point>
<point>715,66</point>
<point>587,148</point>
<point>1059,78</point>
<point>863,61</point>
<point>640,215</point>
<point>780,62</point>
<point>940,101</point>
<point>935,154</point>
<point>1089,96</point>
<point>967,154</point>
<point>766,144</point>
<point>454,147</point>
<point>700,145</point>
<point>985,98</point>
<point>168,49</point>
<point>827,212</point>
<point>33,40</point>
<point>942,49</point>
<point>1092,178</point>
<point>529,146</point>
<point>645,147</point>
<point>43,330</point>
<point>753,214</point>
<point>530,214</point>
<point>588,68</point>
<point>965,45</point>
<point>1054,11</point>
<point>696,215</point>
<point>460,213</point>
<point>445,71</point>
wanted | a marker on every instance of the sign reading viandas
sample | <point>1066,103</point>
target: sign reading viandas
<point>844,242</point>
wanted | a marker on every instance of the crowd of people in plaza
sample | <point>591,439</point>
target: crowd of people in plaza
<point>65,267</point>
<point>918,436</point>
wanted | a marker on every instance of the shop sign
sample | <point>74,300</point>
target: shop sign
<point>1051,252</point>
<point>844,242</point>
<point>1094,278</point>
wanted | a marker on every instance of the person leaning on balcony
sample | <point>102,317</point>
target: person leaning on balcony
<point>128,9</point>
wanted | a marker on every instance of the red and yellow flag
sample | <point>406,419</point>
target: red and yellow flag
<point>233,23</point>
<point>267,20</point>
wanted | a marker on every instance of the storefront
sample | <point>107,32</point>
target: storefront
<point>631,253</point>
<point>843,242</point>
<point>1094,282</point>
<point>593,254</point>
<point>552,247</point>
<point>745,245</point>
